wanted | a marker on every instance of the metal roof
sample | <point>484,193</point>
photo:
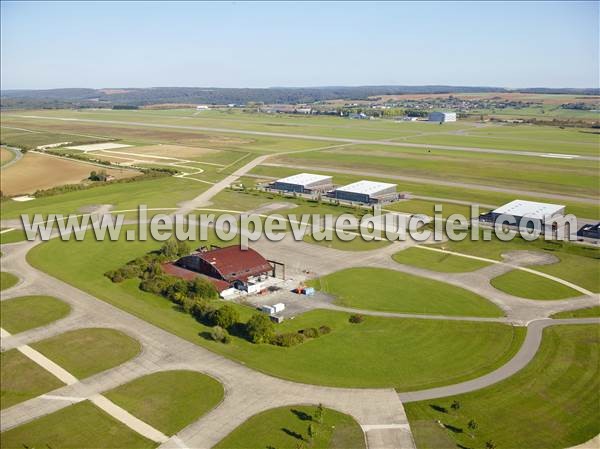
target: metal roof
<point>529,209</point>
<point>173,270</point>
<point>304,179</point>
<point>234,263</point>
<point>366,187</point>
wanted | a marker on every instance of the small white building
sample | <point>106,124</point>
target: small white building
<point>303,183</point>
<point>201,107</point>
<point>442,117</point>
<point>366,192</point>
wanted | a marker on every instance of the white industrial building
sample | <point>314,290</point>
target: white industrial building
<point>303,183</point>
<point>366,192</point>
<point>442,117</point>
<point>519,209</point>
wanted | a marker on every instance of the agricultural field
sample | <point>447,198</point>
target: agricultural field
<point>39,172</point>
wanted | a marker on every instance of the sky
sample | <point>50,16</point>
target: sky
<point>266,44</point>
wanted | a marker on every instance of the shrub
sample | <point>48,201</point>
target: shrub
<point>289,339</point>
<point>226,316</point>
<point>202,310</point>
<point>356,319</point>
<point>203,288</point>
<point>260,328</point>
<point>324,330</point>
<point>311,332</point>
<point>217,333</point>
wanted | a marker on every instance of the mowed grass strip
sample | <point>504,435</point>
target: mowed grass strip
<point>394,291</point>
<point>169,400</point>
<point>22,379</point>
<point>79,426</point>
<point>7,280</point>
<point>436,261</point>
<point>12,236</point>
<point>287,428</point>
<point>84,352</point>
<point>407,354</point>
<point>26,312</point>
<point>531,286</point>
<point>554,402</point>
<point>587,312</point>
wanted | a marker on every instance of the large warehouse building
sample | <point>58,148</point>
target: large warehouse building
<point>519,209</point>
<point>442,117</point>
<point>303,183</point>
<point>366,192</point>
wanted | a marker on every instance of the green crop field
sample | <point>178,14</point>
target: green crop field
<point>79,426</point>
<point>168,400</point>
<point>554,402</point>
<point>395,351</point>
<point>287,428</point>
<point>27,312</point>
<point>84,352</point>
<point>22,379</point>
<point>393,291</point>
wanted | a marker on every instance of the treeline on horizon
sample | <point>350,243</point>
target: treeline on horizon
<point>78,97</point>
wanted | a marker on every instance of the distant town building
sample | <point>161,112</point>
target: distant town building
<point>442,117</point>
<point>360,116</point>
<point>366,192</point>
<point>201,107</point>
<point>303,183</point>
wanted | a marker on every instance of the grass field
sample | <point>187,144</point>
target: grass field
<point>20,314</point>
<point>407,354</point>
<point>287,428</point>
<point>39,172</point>
<point>546,175</point>
<point>431,260</point>
<point>587,312</point>
<point>79,426</point>
<point>393,291</point>
<point>16,235</point>
<point>168,400</point>
<point>84,352</point>
<point>22,379</point>
<point>7,280</point>
<point>161,192</point>
<point>554,402</point>
<point>530,286</point>
<point>578,264</point>
<point>430,188</point>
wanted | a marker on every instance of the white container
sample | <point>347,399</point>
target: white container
<point>267,309</point>
<point>279,307</point>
